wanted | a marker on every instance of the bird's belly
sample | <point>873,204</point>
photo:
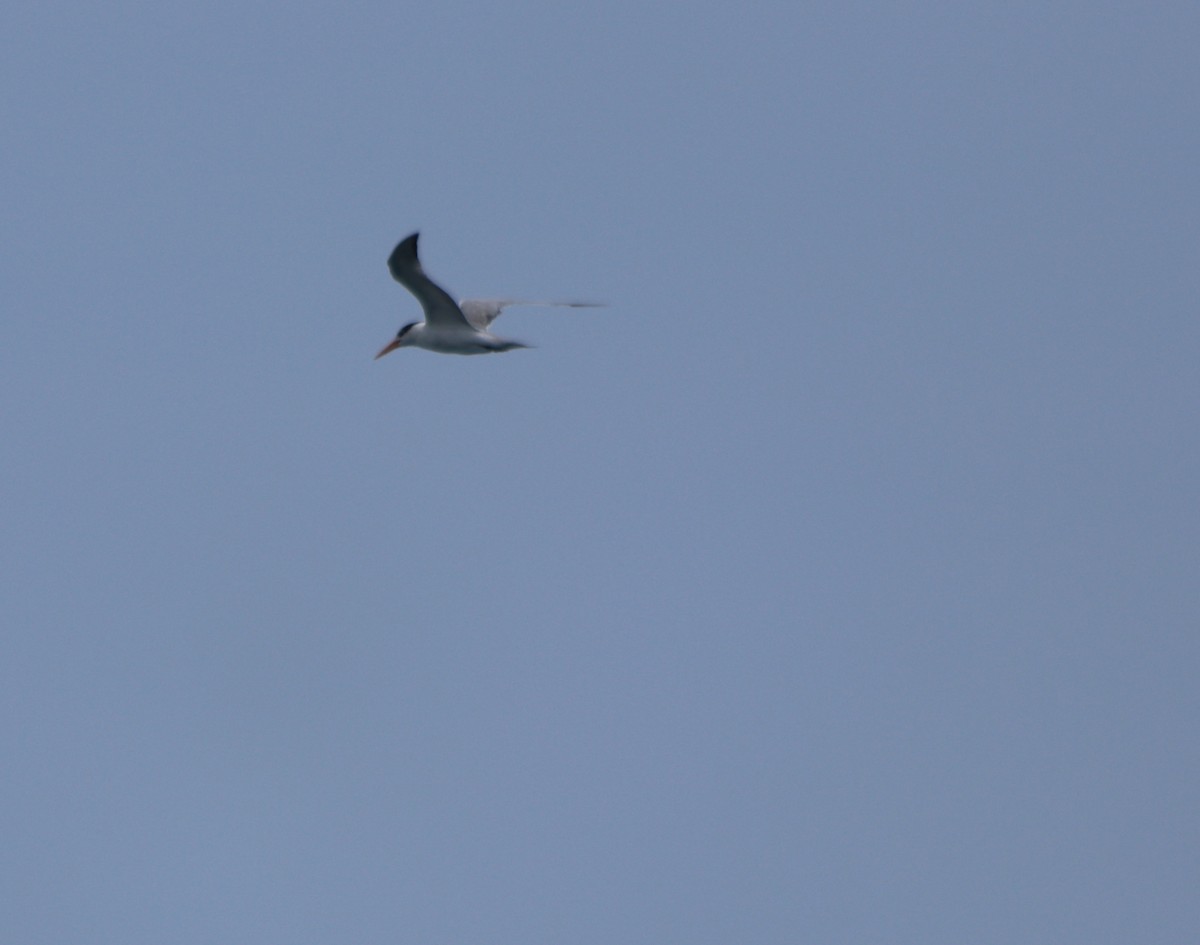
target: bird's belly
<point>457,342</point>
<point>457,346</point>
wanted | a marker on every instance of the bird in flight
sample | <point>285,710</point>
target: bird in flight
<point>450,327</point>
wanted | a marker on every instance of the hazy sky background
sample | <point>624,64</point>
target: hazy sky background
<point>838,583</point>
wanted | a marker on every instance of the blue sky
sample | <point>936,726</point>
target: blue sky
<point>836,583</point>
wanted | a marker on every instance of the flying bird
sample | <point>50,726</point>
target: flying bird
<point>450,327</point>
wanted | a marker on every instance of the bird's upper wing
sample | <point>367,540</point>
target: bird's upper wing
<point>440,309</point>
<point>482,312</point>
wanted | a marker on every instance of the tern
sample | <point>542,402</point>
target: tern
<point>450,327</point>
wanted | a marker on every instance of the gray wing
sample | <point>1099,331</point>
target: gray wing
<point>482,312</point>
<point>440,309</point>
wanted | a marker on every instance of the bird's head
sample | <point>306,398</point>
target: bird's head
<point>403,339</point>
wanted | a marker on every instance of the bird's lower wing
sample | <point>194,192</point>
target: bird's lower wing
<point>482,312</point>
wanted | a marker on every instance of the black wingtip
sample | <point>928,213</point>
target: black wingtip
<point>405,253</point>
